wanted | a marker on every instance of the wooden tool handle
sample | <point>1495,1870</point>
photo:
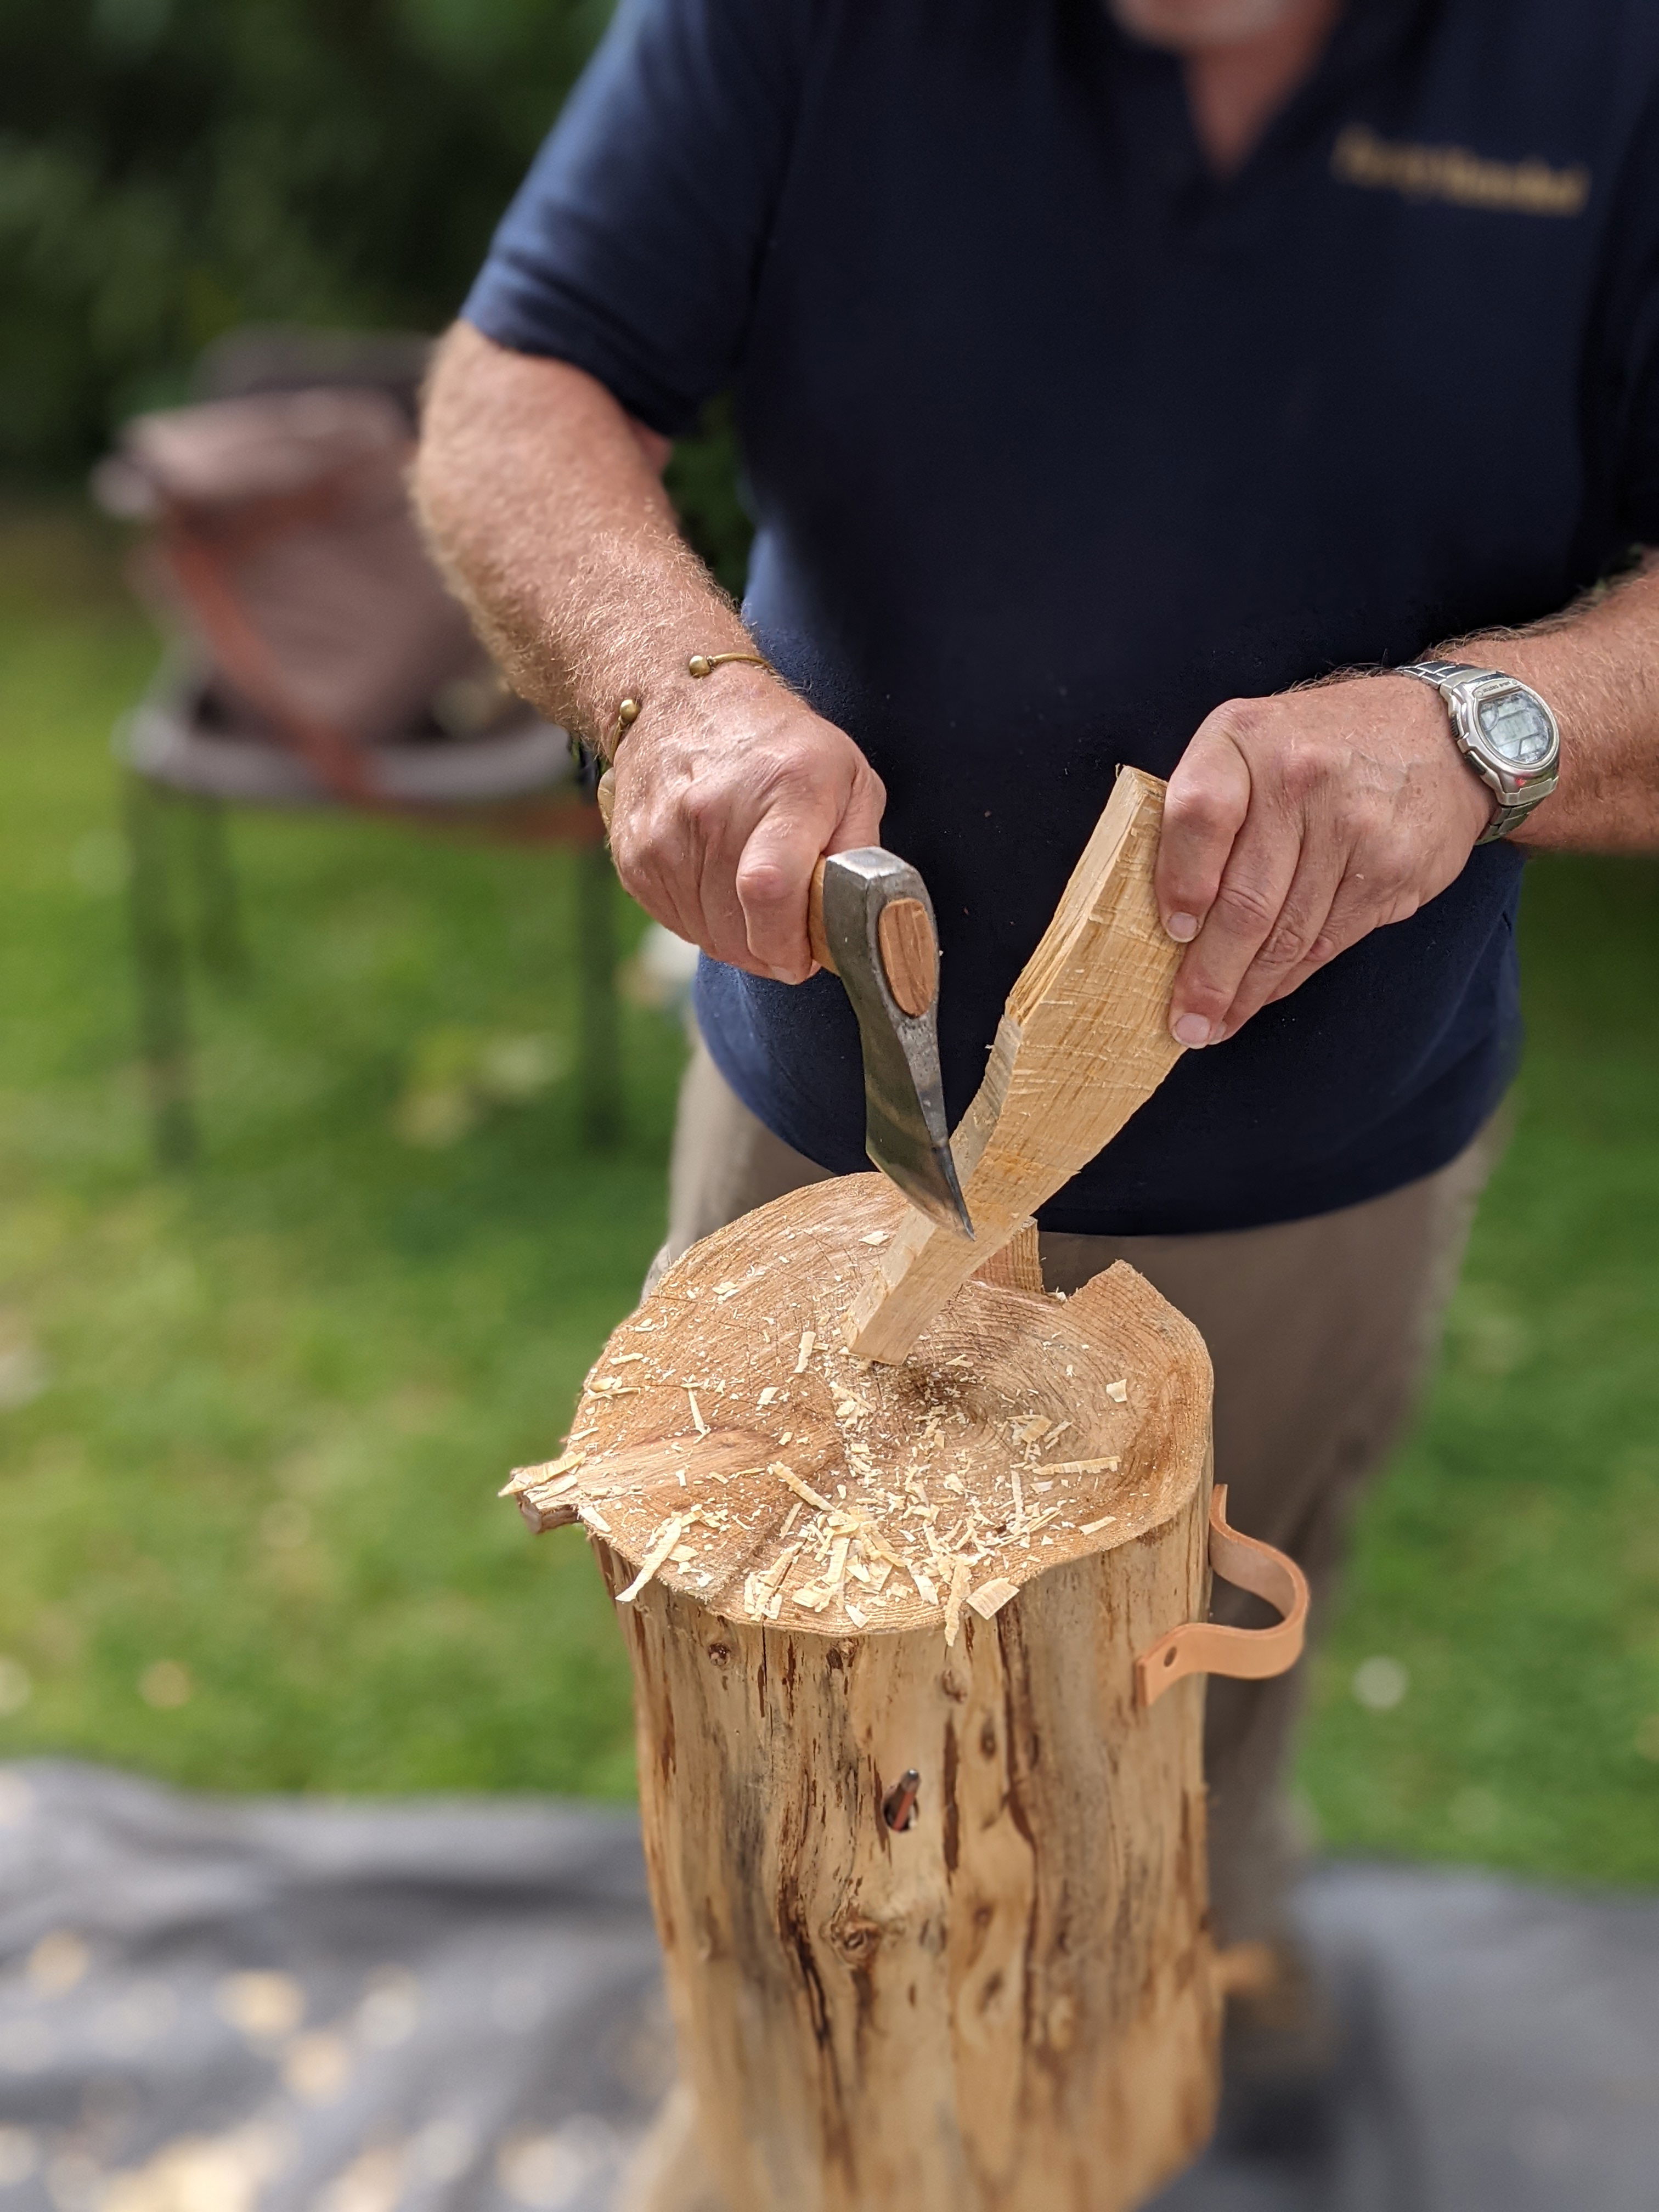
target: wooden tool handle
<point>904,940</point>
<point>815,936</point>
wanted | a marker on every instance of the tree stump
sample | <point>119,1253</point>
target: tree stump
<point>928,1866</point>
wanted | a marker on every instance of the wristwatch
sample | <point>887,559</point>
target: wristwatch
<point>1508,735</point>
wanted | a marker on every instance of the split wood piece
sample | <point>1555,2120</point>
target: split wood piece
<point>1008,2003</point>
<point>1082,1043</point>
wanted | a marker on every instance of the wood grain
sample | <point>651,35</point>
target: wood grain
<point>909,956</point>
<point>1082,1043</point>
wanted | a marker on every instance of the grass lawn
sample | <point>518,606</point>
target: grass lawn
<point>252,1419</point>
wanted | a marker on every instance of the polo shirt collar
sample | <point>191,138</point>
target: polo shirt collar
<point>1365,35</point>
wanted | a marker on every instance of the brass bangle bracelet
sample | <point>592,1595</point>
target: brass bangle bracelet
<point>700,664</point>
<point>704,664</point>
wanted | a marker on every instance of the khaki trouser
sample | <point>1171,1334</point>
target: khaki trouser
<point>1320,1332</point>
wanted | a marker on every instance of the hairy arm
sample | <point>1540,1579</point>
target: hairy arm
<point>543,502</point>
<point>1296,825</point>
<point>1598,666</point>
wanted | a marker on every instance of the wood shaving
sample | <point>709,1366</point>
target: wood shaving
<point>958,1591</point>
<point>763,1593</point>
<point>559,1473</point>
<point>804,1491</point>
<point>878,1237</point>
<point>591,1517</point>
<point>661,1552</point>
<point>988,1600</point>
<point>1083,1467</point>
<point>809,1337</point>
<point>697,1420</point>
<point>1118,1393</point>
<point>1094,1528</point>
<point>857,1618</point>
<point>767,1394</point>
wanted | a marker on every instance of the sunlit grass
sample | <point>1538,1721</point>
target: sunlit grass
<point>1511,1561</point>
<point>256,1414</point>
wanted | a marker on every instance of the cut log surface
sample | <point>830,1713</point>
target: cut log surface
<point>831,1574</point>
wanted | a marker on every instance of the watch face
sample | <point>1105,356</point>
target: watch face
<point>1518,729</point>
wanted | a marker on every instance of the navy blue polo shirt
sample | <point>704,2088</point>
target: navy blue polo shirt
<point>1053,441</point>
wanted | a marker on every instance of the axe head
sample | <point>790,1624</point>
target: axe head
<point>879,925</point>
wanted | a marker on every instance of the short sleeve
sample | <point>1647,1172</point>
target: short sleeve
<point>633,246</point>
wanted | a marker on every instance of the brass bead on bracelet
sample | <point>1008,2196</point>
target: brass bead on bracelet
<point>627,714</point>
<point>700,664</point>
<point>703,664</point>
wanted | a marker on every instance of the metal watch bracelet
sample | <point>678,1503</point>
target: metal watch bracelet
<point>1445,677</point>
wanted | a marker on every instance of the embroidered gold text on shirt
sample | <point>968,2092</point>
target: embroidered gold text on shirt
<point>1452,172</point>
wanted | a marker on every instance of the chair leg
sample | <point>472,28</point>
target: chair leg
<point>220,942</point>
<point>599,1028</point>
<point>159,958</point>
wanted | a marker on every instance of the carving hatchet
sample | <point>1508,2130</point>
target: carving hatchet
<point>870,922</point>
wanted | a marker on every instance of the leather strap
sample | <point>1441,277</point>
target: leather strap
<point>1249,1654</point>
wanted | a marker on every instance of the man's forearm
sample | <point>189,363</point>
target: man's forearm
<point>1598,666</point>
<point>545,504</point>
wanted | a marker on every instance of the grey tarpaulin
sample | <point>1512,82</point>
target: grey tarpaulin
<point>311,2006</point>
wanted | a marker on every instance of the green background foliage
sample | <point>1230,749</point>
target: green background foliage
<point>171,168</point>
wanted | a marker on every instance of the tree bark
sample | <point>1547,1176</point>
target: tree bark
<point>1007,2002</point>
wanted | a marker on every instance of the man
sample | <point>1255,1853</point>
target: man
<point>1108,376</point>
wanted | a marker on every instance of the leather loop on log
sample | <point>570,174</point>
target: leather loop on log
<point>1249,1654</point>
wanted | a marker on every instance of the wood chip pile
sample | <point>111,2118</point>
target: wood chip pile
<point>730,1444</point>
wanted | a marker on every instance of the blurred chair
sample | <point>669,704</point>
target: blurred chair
<point>317,661</point>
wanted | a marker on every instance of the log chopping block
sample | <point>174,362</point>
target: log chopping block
<point>916,1649</point>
